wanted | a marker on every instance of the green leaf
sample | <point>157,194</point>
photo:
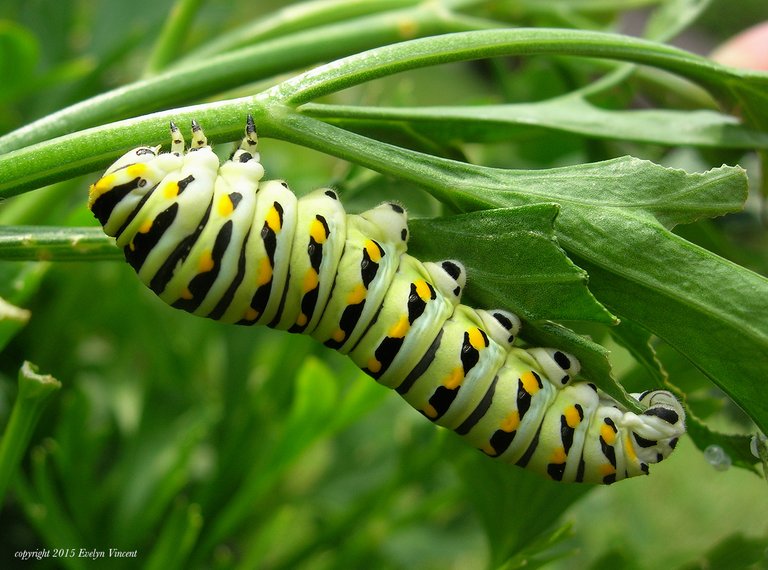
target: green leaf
<point>638,342</point>
<point>176,538</point>
<point>35,390</point>
<point>171,38</point>
<point>316,398</point>
<point>203,77</point>
<point>594,194</point>
<point>155,474</point>
<point>12,319</point>
<point>542,551</point>
<point>293,18</point>
<point>610,218</point>
<point>512,260</point>
<point>735,552</point>
<point>673,16</point>
<point>19,52</point>
<point>690,289</point>
<point>571,113</point>
<point>502,495</point>
<point>707,308</point>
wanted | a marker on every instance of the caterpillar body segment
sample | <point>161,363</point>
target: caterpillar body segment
<point>218,241</point>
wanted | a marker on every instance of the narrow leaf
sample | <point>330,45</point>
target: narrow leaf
<point>572,114</point>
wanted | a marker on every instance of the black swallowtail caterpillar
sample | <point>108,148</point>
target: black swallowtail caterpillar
<point>217,241</point>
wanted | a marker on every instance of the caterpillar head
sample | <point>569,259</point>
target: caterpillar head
<point>657,430</point>
<point>135,156</point>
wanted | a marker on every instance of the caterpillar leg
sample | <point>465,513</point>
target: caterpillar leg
<point>247,150</point>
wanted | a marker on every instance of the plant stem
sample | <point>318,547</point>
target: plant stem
<point>45,243</point>
<point>171,38</point>
<point>34,391</point>
<point>207,76</point>
<point>293,18</point>
<point>478,44</point>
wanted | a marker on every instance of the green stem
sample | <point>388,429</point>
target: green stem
<point>34,391</point>
<point>478,44</point>
<point>45,243</point>
<point>171,37</point>
<point>55,160</point>
<point>294,18</point>
<point>442,176</point>
<point>205,77</point>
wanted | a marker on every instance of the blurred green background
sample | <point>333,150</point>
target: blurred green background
<point>202,445</point>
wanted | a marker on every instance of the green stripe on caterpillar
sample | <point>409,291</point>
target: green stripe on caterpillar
<point>218,241</point>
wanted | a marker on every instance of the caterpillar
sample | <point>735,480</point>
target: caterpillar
<point>216,240</point>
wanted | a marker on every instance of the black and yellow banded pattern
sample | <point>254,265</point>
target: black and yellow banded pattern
<point>218,241</point>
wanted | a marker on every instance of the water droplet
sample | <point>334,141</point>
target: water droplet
<point>717,457</point>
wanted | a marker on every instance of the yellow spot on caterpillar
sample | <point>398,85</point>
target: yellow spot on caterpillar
<point>135,170</point>
<point>530,384</point>
<point>606,469</point>
<point>374,365</point>
<point>317,232</point>
<point>104,183</point>
<point>206,262</point>
<point>511,422</point>
<point>629,449</point>
<point>572,417</point>
<point>186,294</point>
<point>454,379</point>
<point>251,314</point>
<point>357,295</point>
<point>132,246</point>
<point>264,273</point>
<point>273,219</point>
<point>608,435</point>
<point>302,320</point>
<point>476,338</point>
<point>171,190</point>
<point>374,253</point>
<point>429,411</point>
<point>339,335</point>
<point>226,207</point>
<point>145,227</point>
<point>400,328</point>
<point>311,281</point>
<point>558,455</point>
<point>488,448</point>
<point>423,290</point>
